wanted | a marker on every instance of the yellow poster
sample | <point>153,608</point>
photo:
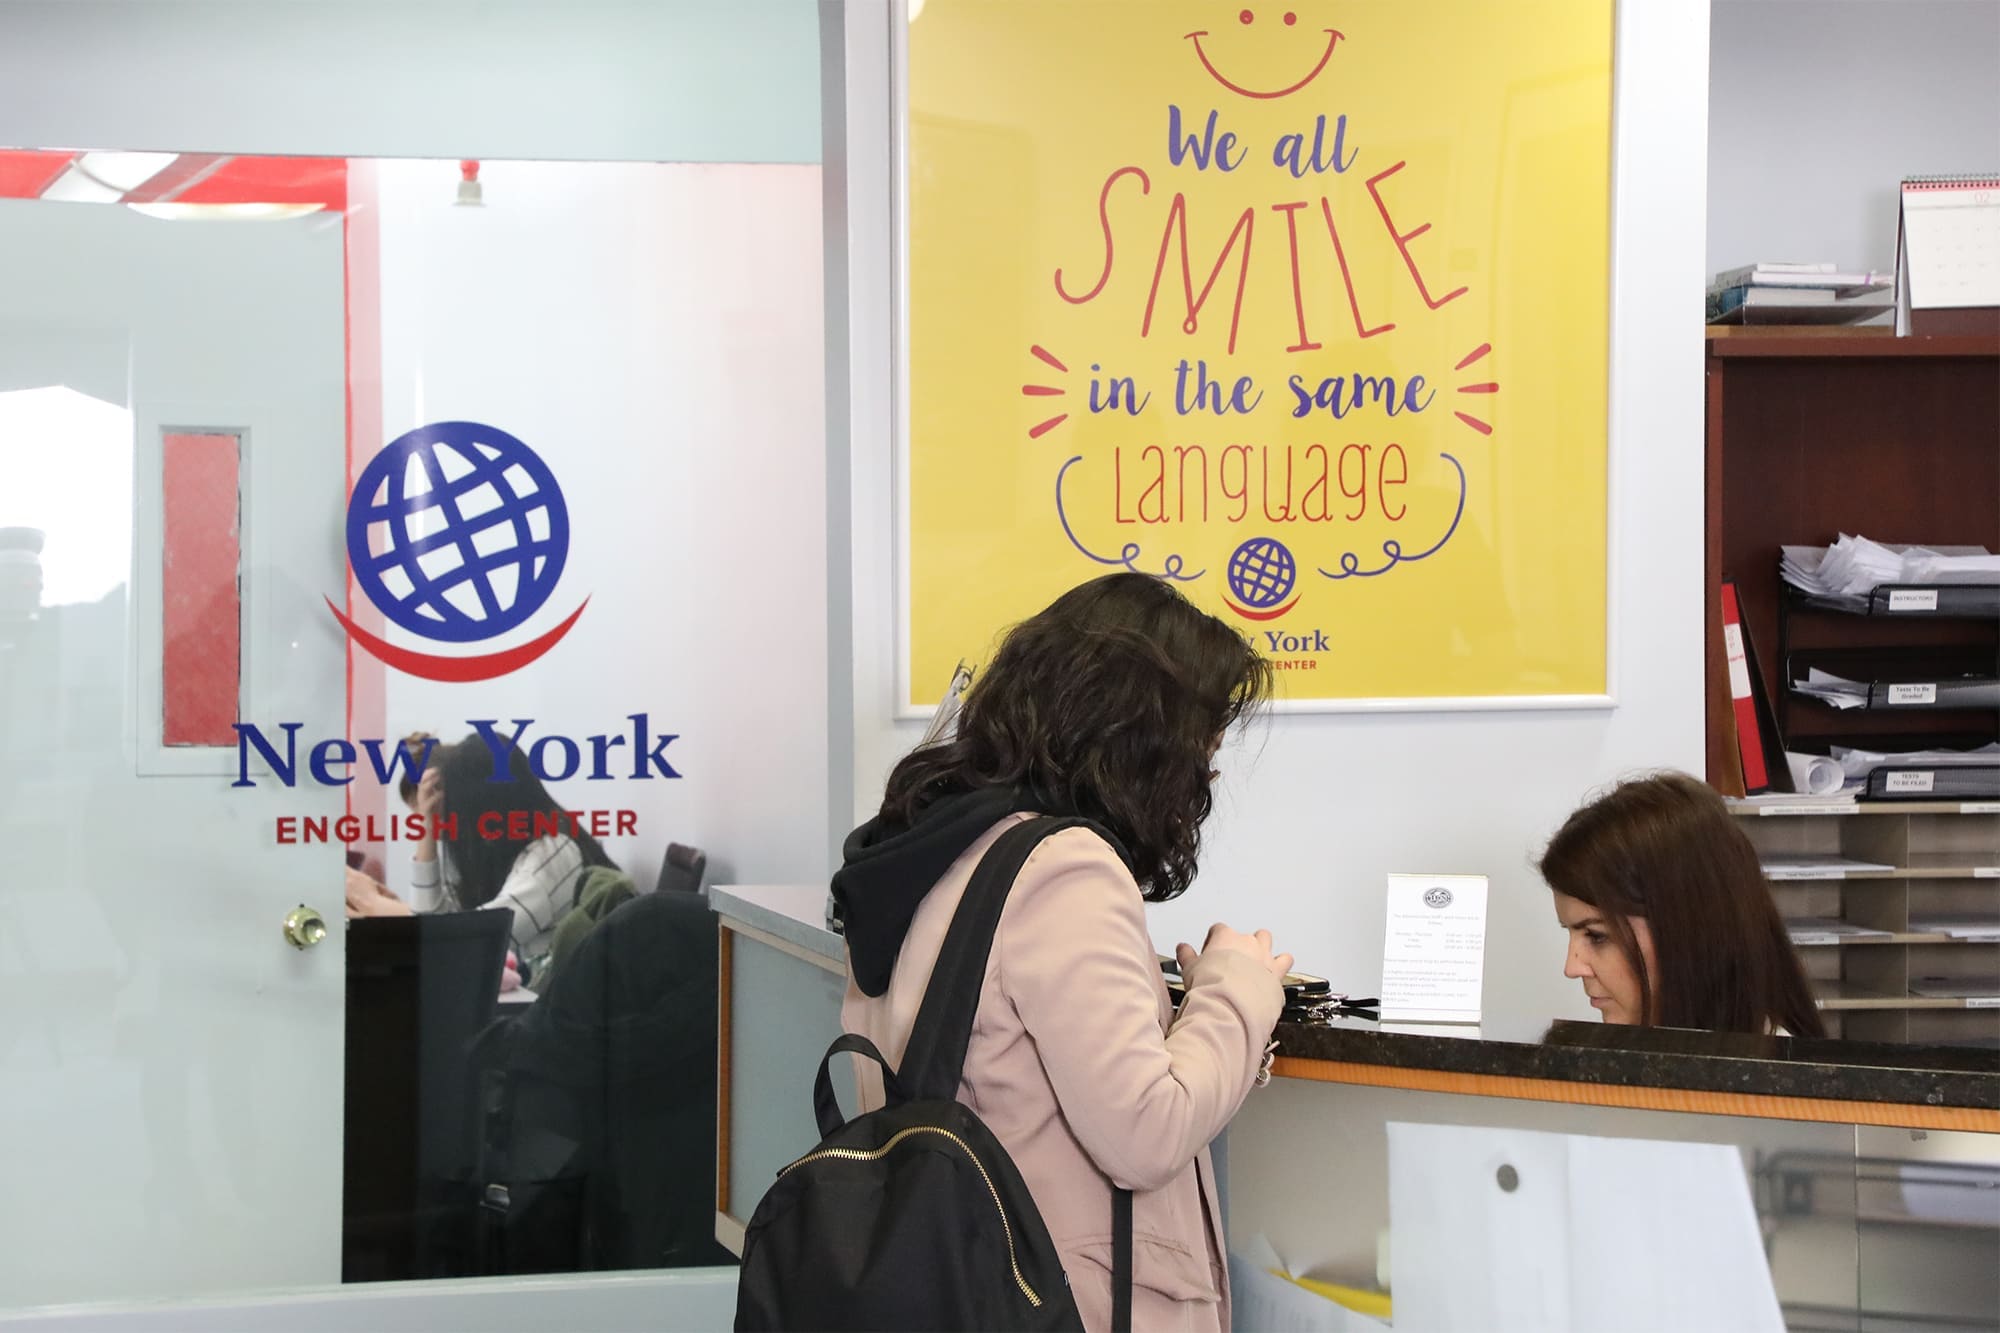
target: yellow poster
<point>1302,306</point>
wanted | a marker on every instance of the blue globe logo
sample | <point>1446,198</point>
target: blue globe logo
<point>1262,572</point>
<point>457,532</point>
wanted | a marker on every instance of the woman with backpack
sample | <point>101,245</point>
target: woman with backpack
<point>1109,706</point>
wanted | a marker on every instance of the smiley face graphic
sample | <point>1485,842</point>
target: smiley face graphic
<point>1246,19</point>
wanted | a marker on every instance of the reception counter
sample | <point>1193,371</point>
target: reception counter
<point>1658,1069</point>
<point>1874,1171</point>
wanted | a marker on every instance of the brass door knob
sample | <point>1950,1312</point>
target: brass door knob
<point>304,927</point>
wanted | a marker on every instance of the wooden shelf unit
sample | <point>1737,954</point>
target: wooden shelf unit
<point>1945,859</point>
<point>1814,434</point>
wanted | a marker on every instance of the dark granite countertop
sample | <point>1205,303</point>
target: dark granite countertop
<point>1637,1057</point>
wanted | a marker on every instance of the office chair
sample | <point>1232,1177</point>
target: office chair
<point>600,1149</point>
<point>683,869</point>
<point>419,990</point>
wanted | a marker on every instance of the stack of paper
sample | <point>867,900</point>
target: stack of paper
<point>1855,566</point>
<point>1858,764</point>
<point>1958,988</point>
<point>1982,928</point>
<point>1796,294</point>
<point>1796,803</point>
<point>1814,865</point>
<point>1831,689</point>
<point>1809,930</point>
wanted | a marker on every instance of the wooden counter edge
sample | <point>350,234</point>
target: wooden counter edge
<point>1758,1106</point>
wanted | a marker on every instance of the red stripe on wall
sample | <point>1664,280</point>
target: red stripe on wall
<point>201,670</point>
<point>367,679</point>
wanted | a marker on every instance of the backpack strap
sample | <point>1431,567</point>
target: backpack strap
<point>934,1060</point>
<point>1121,1260</point>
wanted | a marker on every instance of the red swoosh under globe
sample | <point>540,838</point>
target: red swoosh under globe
<point>456,669</point>
<point>1245,612</point>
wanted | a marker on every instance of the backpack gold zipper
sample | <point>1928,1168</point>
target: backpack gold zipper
<point>859,1155</point>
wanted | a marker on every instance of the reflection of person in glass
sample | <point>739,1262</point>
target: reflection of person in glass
<point>1670,921</point>
<point>486,863</point>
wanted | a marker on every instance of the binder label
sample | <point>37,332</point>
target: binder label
<point>1739,668</point>
<point>1913,599</point>
<point>1986,872</point>
<point>1913,694</point>
<point>1909,782</point>
<point>1980,808</point>
<point>1982,1001</point>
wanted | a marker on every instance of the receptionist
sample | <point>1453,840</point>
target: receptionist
<point>1669,918</point>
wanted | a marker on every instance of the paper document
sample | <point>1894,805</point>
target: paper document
<point>1815,774</point>
<point>1855,566</point>
<point>1806,930</point>
<point>1515,1231</point>
<point>1796,803</point>
<point>1434,948</point>
<point>1858,764</point>
<point>1831,689</point>
<point>1957,988</point>
<point>1984,928</point>
<point>1815,865</point>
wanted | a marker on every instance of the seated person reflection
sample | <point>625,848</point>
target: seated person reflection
<point>501,852</point>
<point>1670,921</point>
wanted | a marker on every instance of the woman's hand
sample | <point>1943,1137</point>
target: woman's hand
<point>1222,939</point>
<point>366,897</point>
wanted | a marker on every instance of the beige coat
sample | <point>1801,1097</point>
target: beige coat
<point>1075,1069</point>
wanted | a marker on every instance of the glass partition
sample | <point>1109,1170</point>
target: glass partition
<point>304,458</point>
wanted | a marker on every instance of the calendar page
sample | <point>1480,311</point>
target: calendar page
<point>1951,240</point>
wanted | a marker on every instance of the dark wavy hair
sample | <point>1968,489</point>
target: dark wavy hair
<point>1666,848</point>
<point>480,864</point>
<point>1108,705</point>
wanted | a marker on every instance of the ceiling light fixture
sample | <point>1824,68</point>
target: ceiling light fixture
<point>225,212</point>
<point>123,172</point>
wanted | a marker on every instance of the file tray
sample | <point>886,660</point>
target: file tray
<point>1977,692</point>
<point>1909,601</point>
<point>1975,601</point>
<point>1945,782</point>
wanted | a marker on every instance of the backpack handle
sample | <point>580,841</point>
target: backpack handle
<point>825,1105</point>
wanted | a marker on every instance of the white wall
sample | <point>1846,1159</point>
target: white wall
<point>1315,810</point>
<point>1818,107</point>
<point>653,332</point>
<point>579,80</point>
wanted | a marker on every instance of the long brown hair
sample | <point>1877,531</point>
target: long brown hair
<point>1108,705</point>
<point>474,787</point>
<point>1666,848</point>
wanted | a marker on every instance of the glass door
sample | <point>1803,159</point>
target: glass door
<point>172,423</point>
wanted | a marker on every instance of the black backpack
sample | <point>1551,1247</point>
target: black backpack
<point>914,1217</point>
